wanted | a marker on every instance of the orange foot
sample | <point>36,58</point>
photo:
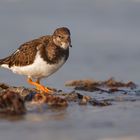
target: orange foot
<point>39,87</point>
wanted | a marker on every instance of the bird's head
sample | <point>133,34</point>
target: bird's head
<point>61,37</point>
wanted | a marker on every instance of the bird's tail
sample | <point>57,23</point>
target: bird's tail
<point>3,61</point>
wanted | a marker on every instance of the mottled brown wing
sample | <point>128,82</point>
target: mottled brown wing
<point>25,55</point>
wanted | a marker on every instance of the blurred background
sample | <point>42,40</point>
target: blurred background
<point>105,36</point>
<point>106,43</point>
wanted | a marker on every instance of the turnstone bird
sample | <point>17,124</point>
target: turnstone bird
<point>40,57</point>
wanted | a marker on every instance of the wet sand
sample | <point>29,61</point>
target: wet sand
<point>114,115</point>
<point>119,121</point>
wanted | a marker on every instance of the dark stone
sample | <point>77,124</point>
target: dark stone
<point>11,103</point>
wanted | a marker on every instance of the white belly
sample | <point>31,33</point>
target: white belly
<point>38,69</point>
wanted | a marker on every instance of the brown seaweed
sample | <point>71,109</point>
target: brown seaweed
<point>13,99</point>
<point>92,85</point>
<point>11,103</point>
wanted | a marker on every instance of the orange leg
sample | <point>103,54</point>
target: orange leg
<point>38,86</point>
<point>38,81</point>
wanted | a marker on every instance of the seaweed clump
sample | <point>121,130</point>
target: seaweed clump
<point>110,85</point>
<point>11,103</point>
<point>13,99</point>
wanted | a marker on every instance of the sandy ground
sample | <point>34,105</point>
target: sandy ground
<point>117,122</point>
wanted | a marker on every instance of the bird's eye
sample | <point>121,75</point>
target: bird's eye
<point>61,37</point>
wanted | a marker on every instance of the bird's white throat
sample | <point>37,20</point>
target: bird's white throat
<point>64,45</point>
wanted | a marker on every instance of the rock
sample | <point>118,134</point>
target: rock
<point>11,103</point>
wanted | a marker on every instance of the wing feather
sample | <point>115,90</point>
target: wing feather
<point>26,53</point>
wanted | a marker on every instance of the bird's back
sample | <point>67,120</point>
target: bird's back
<point>26,53</point>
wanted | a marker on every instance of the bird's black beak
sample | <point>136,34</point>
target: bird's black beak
<point>70,45</point>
